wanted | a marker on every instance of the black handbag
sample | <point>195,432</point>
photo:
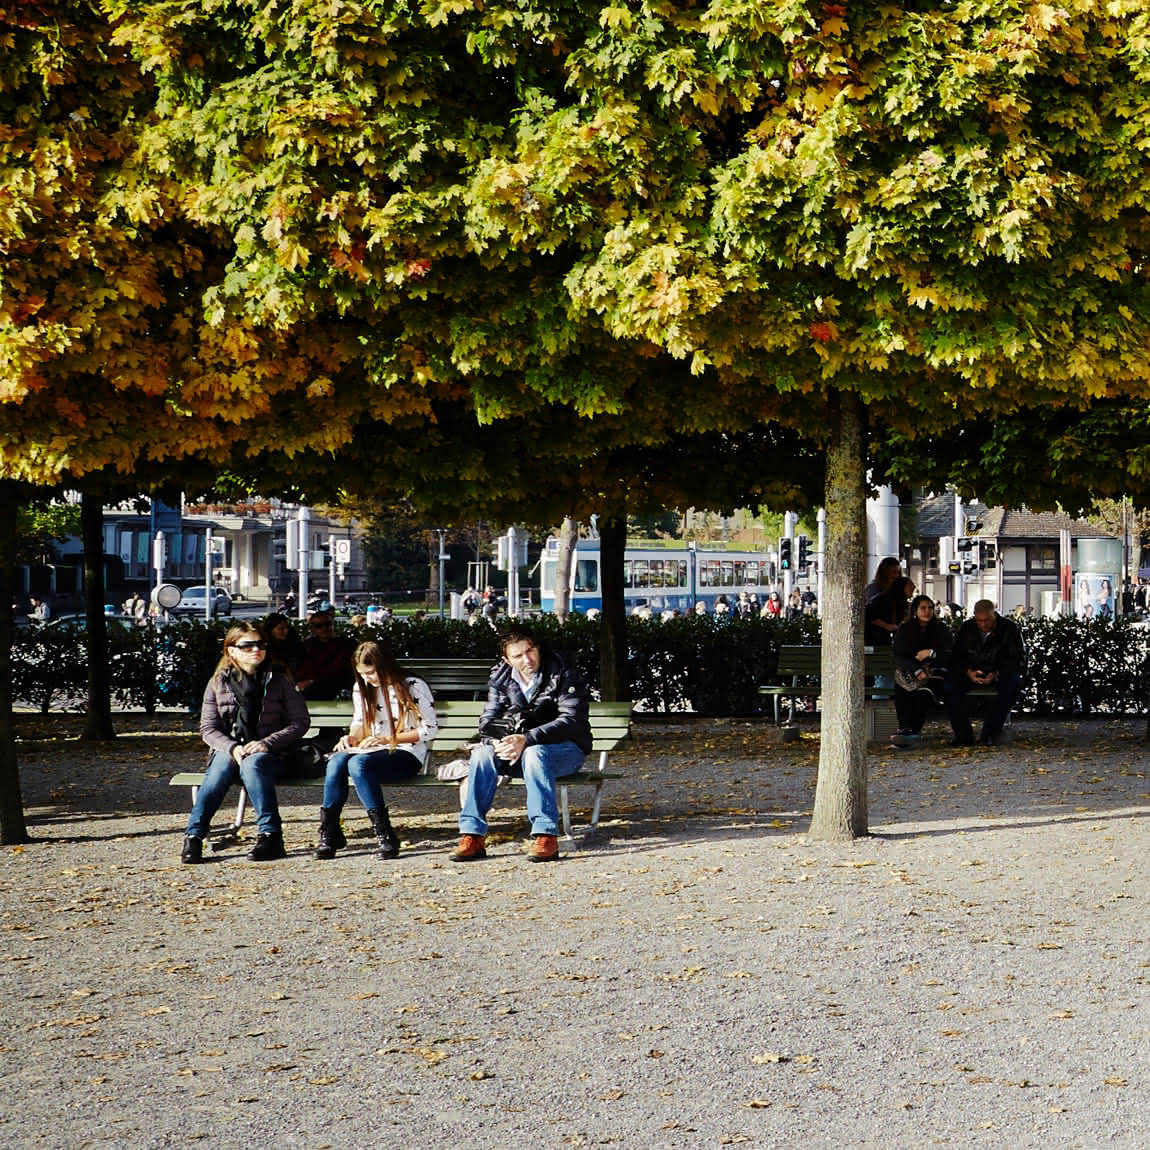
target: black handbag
<point>305,760</point>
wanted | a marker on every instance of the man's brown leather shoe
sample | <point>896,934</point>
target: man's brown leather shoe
<point>470,848</point>
<point>545,848</point>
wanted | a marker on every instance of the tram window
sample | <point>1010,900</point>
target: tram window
<point>547,578</point>
<point>678,573</point>
<point>728,574</point>
<point>628,574</point>
<point>642,576</point>
<point>753,573</point>
<point>740,573</point>
<point>586,575</point>
<point>709,573</point>
<point>657,573</point>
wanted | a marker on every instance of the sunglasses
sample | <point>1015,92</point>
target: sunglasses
<point>250,646</point>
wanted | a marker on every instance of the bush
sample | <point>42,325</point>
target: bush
<point>711,665</point>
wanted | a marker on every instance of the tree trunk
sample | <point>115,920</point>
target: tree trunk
<point>12,826</point>
<point>840,810</point>
<point>613,677</point>
<point>98,724</point>
<point>568,535</point>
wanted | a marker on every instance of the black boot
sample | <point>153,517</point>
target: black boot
<point>268,846</point>
<point>388,839</point>
<point>331,837</point>
<point>193,850</point>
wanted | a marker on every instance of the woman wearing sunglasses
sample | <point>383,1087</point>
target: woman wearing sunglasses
<point>393,724</point>
<point>250,714</point>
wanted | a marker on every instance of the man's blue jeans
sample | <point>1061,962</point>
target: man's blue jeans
<point>257,774</point>
<point>367,770</point>
<point>541,766</point>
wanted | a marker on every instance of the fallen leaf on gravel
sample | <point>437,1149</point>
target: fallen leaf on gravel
<point>83,992</point>
<point>611,1096</point>
<point>480,1075</point>
<point>278,1067</point>
<point>157,1010</point>
<point>978,1079</point>
<point>758,1104</point>
<point>658,1054</point>
<point>763,1059</point>
<point>1063,1014</point>
<point>1114,1081</point>
<point>330,1080</point>
<point>1049,946</point>
<point>950,1033</point>
<point>361,997</point>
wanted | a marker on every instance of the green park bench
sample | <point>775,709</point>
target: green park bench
<point>458,718</point>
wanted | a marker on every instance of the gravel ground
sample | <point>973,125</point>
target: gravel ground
<point>694,974</point>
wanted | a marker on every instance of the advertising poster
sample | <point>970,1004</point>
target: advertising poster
<point>1094,595</point>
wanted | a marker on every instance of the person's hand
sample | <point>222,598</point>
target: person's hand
<point>303,685</point>
<point>923,655</point>
<point>241,750</point>
<point>372,743</point>
<point>345,743</point>
<point>510,747</point>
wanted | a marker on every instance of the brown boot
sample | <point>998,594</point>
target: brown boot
<point>470,848</point>
<point>545,848</point>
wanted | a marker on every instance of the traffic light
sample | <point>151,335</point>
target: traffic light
<point>784,554</point>
<point>988,558</point>
<point>804,552</point>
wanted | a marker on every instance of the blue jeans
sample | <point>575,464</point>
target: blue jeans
<point>541,765</point>
<point>257,774</point>
<point>367,769</point>
<point>1007,689</point>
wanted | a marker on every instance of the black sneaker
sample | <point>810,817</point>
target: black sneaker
<point>268,847</point>
<point>962,741</point>
<point>193,850</point>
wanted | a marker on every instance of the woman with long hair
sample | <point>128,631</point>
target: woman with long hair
<point>887,571</point>
<point>250,714</point>
<point>922,646</point>
<point>285,647</point>
<point>393,724</point>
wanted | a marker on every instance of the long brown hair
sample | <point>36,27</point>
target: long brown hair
<point>376,655</point>
<point>236,632</point>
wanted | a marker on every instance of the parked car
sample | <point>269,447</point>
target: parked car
<point>193,599</point>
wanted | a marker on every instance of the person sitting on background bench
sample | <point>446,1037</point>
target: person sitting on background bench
<point>922,646</point>
<point>988,652</point>
<point>536,724</point>
<point>393,724</point>
<point>324,670</point>
<point>250,714</point>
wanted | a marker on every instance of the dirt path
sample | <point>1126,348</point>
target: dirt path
<point>696,974</point>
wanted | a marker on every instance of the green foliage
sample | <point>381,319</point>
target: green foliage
<point>49,666</point>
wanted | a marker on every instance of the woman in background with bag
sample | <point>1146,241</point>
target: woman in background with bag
<point>393,724</point>
<point>251,715</point>
<point>922,646</point>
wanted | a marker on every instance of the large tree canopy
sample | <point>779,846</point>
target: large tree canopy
<point>839,217</point>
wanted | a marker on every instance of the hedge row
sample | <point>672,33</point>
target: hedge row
<point>713,667</point>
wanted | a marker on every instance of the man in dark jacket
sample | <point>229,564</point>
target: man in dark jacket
<point>535,724</point>
<point>988,652</point>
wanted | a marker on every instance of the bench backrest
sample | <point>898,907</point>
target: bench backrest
<point>447,677</point>
<point>458,718</point>
<point>807,659</point>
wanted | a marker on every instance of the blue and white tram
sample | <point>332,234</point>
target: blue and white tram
<point>660,577</point>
